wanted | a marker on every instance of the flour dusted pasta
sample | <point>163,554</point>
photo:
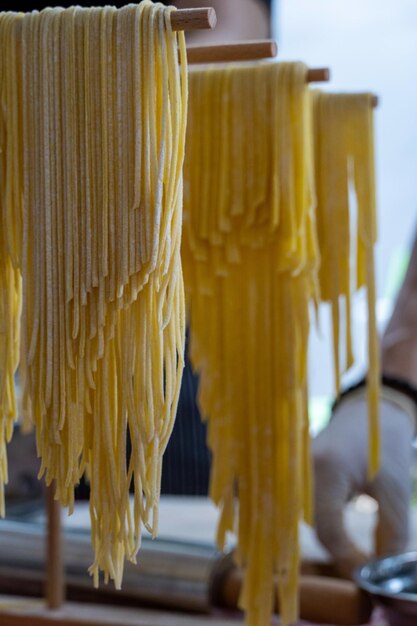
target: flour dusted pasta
<point>254,261</point>
<point>250,261</point>
<point>10,235</point>
<point>345,175</point>
<point>94,128</point>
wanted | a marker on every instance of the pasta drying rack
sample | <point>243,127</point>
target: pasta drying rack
<point>53,610</point>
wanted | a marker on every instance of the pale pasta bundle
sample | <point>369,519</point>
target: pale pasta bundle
<point>346,226</point>
<point>99,146</point>
<point>10,204</point>
<point>10,300</point>
<point>250,261</point>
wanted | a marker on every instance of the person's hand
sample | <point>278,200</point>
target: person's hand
<point>340,455</point>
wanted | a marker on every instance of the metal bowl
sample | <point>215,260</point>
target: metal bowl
<point>392,583</point>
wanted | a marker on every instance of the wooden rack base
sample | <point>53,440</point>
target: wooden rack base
<point>21,612</point>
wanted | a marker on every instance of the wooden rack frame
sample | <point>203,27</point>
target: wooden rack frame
<point>55,569</point>
<point>35,612</point>
<point>194,19</point>
<point>229,52</point>
<point>318,75</point>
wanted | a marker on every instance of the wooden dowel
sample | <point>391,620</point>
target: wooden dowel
<point>54,555</point>
<point>245,51</point>
<point>193,19</point>
<point>318,75</point>
<point>322,600</point>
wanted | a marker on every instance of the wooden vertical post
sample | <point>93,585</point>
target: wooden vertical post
<point>55,579</point>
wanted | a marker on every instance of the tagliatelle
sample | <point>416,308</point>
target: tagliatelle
<point>10,305</point>
<point>346,221</point>
<point>94,130</point>
<point>250,260</point>
<point>10,236</point>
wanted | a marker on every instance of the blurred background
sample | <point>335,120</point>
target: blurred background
<point>369,45</point>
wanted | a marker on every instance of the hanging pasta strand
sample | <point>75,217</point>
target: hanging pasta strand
<point>10,233</point>
<point>344,158</point>
<point>10,304</point>
<point>93,126</point>
<point>364,177</point>
<point>250,260</point>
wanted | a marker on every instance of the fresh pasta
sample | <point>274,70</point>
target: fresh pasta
<point>259,144</point>
<point>250,261</point>
<point>10,303</point>
<point>10,278</point>
<point>94,128</point>
<point>346,226</point>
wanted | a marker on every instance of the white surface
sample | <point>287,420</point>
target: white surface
<point>181,518</point>
<point>195,519</point>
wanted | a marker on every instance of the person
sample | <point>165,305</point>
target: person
<point>340,451</point>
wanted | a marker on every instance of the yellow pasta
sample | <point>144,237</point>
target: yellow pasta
<point>10,234</point>
<point>97,129</point>
<point>344,161</point>
<point>250,260</point>
<point>10,299</point>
